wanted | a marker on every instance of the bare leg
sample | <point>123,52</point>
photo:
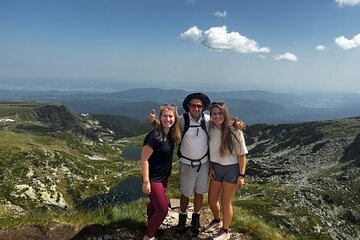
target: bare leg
<point>214,192</point>
<point>198,200</point>
<point>228,194</point>
<point>184,202</point>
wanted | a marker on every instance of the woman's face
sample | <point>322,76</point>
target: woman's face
<point>167,118</point>
<point>216,116</point>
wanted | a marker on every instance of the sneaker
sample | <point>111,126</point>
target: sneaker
<point>213,225</point>
<point>147,238</point>
<point>222,235</point>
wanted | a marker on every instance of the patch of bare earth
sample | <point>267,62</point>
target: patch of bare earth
<point>54,231</point>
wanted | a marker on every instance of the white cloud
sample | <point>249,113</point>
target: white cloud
<point>347,44</point>
<point>220,14</point>
<point>320,47</point>
<point>286,57</point>
<point>218,39</point>
<point>262,57</point>
<point>193,33</point>
<point>341,3</point>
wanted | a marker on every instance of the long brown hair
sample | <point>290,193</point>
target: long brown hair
<point>227,143</point>
<point>174,131</point>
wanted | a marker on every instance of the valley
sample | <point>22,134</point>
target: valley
<point>302,178</point>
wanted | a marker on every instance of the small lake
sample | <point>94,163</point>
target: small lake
<point>132,153</point>
<point>125,191</point>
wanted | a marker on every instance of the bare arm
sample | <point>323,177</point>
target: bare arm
<point>152,119</point>
<point>211,171</point>
<point>242,167</point>
<point>145,155</point>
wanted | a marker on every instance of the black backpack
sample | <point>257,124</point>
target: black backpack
<point>187,124</point>
<point>186,128</point>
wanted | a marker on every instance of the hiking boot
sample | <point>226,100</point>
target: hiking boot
<point>180,228</point>
<point>222,235</point>
<point>213,225</point>
<point>195,222</point>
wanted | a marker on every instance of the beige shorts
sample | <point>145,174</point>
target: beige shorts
<point>192,181</point>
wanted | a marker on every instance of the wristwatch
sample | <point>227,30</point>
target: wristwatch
<point>242,175</point>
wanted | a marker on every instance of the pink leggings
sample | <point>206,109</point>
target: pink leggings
<point>157,208</point>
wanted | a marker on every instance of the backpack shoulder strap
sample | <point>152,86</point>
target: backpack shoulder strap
<point>203,125</point>
<point>186,123</point>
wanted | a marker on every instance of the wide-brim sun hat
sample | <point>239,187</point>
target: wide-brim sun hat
<point>205,100</point>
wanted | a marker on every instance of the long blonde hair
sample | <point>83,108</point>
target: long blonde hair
<point>174,131</point>
<point>227,144</point>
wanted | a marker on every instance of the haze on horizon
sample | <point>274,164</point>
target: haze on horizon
<point>188,44</point>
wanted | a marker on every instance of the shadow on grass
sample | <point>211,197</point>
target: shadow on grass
<point>134,230</point>
<point>97,231</point>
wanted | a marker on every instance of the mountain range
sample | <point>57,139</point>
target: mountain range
<point>250,106</point>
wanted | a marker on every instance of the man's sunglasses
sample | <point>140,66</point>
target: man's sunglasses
<point>196,106</point>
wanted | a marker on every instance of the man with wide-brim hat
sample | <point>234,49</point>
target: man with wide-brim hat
<point>194,159</point>
<point>201,96</point>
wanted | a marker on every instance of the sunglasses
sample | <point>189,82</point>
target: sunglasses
<point>168,105</point>
<point>220,103</point>
<point>196,106</point>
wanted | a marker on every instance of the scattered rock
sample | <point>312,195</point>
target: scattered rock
<point>352,216</point>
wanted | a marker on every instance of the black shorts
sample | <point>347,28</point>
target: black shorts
<point>226,173</point>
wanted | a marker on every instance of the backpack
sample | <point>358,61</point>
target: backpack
<point>185,128</point>
<point>187,124</point>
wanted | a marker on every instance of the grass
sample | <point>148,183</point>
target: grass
<point>134,212</point>
<point>132,216</point>
<point>53,162</point>
<point>341,128</point>
<point>7,108</point>
<point>246,222</point>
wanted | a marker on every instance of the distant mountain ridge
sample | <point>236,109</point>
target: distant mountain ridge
<point>251,106</point>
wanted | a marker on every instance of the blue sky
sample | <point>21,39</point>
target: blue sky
<point>276,45</point>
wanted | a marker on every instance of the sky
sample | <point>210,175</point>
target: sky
<point>275,45</point>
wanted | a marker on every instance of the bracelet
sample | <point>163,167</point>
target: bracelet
<point>242,175</point>
<point>146,182</point>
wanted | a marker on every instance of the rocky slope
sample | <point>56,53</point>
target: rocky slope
<point>53,158</point>
<point>310,173</point>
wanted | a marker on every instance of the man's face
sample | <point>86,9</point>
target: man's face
<point>195,106</point>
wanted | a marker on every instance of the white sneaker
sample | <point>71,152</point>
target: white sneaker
<point>147,238</point>
<point>213,225</point>
<point>222,235</point>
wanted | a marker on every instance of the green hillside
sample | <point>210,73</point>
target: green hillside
<point>302,179</point>
<point>52,158</point>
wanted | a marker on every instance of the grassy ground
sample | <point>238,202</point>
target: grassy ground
<point>132,216</point>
